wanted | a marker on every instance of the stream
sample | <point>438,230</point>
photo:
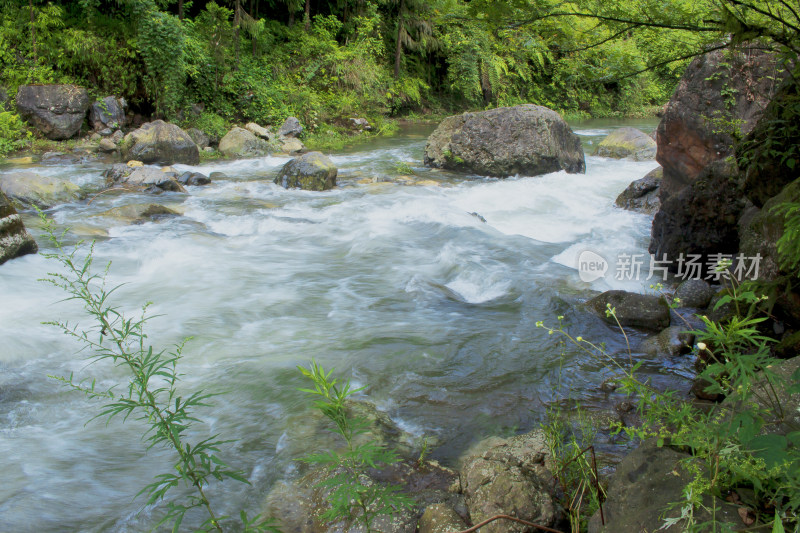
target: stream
<point>423,287</point>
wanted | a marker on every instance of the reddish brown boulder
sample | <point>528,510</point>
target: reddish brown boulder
<point>719,91</point>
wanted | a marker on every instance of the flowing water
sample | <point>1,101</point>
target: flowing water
<point>425,287</point>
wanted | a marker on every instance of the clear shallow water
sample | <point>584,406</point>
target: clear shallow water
<point>396,284</point>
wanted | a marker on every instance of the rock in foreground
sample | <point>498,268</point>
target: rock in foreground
<point>56,110</point>
<point>527,139</point>
<point>312,171</point>
<point>160,142</point>
<point>635,310</point>
<point>31,189</point>
<point>627,142</point>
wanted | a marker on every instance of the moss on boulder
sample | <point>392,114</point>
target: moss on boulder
<point>312,172</point>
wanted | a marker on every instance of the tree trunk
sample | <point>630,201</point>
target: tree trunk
<point>398,51</point>
<point>33,30</point>
<point>236,23</point>
<point>254,14</point>
<point>180,9</point>
<point>307,16</point>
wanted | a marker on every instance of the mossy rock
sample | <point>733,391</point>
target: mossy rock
<point>312,172</point>
<point>239,142</point>
<point>160,142</point>
<point>627,143</point>
<point>30,189</point>
<point>15,240</point>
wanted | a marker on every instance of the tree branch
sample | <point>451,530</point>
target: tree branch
<point>662,25</point>
<point>765,13</point>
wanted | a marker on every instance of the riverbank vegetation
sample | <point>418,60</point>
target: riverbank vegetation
<point>210,63</point>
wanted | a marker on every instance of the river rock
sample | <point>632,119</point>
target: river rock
<point>31,189</point>
<point>291,127</point>
<point>717,88</point>
<point>510,476</point>
<point>627,143</point>
<point>108,113</point>
<point>193,178</point>
<point>635,310</point>
<point>766,168</point>
<point>701,219</point>
<point>57,111</point>
<point>149,177</point>
<point>440,518</point>
<point>160,142</point>
<point>642,195</point>
<point>259,131</point>
<point>239,142</point>
<point>640,494</point>
<point>360,124</point>
<point>292,146</point>
<point>674,340</point>
<point>200,138</point>
<point>107,145</point>
<point>526,139</point>
<point>313,171</point>
<point>694,293</point>
<point>139,213</point>
<point>15,240</point>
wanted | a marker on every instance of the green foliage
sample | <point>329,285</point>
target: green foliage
<point>789,242</point>
<point>160,42</point>
<point>353,495</point>
<point>568,445</point>
<point>151,393</point>
<point>13,134</point>
<point>731,443</point>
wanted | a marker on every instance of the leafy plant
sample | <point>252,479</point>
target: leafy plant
<point>151,393</point>
<point>353,495</point>
<point>13,134</point>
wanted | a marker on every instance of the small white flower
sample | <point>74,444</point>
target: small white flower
<point>701,346</point>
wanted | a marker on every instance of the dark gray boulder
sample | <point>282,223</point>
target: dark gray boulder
<point>635,310</point>
<point>15,240</point>
<point>160,142</point>
<point>718,88</point>
<point>645,484</point>
<point>694,293</point>
<point>108,112</point>
<point>642,195</point>
<point>701,219</point>
<point>627,143</point>
<point>200,138</point>
<point>193,178</point>
<point>527,139</point>
<point>312,172</point>
<point>291,128</point>
<point>58,111</point>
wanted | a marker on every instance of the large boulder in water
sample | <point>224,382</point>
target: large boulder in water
<point>31,189</point>
<point>239,142</point>
<point>642,195</point>
<point>627,142</point>
<point>717,89</point>
<point>526,139</point>
<point>160,142</point>
<point>56,110</point>
<point>14,238</point>
<point>312,171</point>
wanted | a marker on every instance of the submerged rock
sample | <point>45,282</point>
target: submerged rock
<point>31,189</point>
<point>636,310</point>
<point>160,142</point>
<point>15,241</point>
<point>139,213</point>
<point>627,143</point>
<point>312,172</point>
<point>526,139</point>
<point>642,195</point>
<point>58,111</point>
